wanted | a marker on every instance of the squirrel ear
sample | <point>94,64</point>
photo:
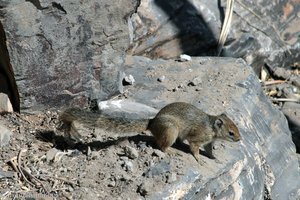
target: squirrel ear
<point>223,115</point>
<point>218,123</point>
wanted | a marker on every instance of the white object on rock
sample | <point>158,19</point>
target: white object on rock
<point>127,106</point>
<point>5,104</point>
<point>184,58</point>
<point>129,79</point>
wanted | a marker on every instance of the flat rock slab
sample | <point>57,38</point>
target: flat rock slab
<point>263,164</point>
<point>219,82</point>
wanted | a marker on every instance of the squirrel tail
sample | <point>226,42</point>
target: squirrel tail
<point>106,123</point>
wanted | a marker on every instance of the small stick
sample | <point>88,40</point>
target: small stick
<point>19,167</point>
<point>12,161</point>
<point>36,179</point>
<point>274,82</point>
<point>285,100</point>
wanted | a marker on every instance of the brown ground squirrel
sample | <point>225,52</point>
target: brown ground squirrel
<point>175,121</point>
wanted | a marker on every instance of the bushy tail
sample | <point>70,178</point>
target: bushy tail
<point>98,120</point>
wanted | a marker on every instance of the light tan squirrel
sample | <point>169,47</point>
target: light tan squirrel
<point>175,121</point>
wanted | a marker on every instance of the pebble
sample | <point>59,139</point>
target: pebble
<point>295,81</point>
<point>196,81</point>
<point>142,145</point>
<point>184,58</point>
<point>129,79</point>
<point>89,151</point>
<point>158,153</point>
<point>180,85</point>
<point>290,92</point>
<point>161,79</point>
<point>143,189</point>
<point>127,164</point>
<point>5,135</point>
<point>282,73</point>
<point>161,168</point>
<point>50,155</point>
<point>94,155</point>
<point>112,184</point>
<point>172,177</point>
<point>131,152</point>
<point>175,89</point>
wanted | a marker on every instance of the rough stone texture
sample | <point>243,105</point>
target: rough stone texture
<point>62,52</point>
<point>270,36</point>
<point>170,28</point>
<point>261,32</point>
<point>292,111</point>
<point>263,163</point>
<point>5,135</point>
<point>7,79</point>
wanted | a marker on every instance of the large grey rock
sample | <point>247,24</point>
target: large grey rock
<point>62,52</point>
<point>263,163</point>
<point>68,52</point>
<point>167,29</point>
<point>292,112</point>
<point>261,32</point>
<point>7,79</point>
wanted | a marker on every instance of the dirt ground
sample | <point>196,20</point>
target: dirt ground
<point>126,168</point>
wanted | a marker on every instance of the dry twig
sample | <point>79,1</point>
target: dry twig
<point>285,100</point>
<point>18,168</point>
<point>266,83</point>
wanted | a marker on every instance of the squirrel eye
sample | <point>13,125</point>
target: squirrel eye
<point>231,133</point>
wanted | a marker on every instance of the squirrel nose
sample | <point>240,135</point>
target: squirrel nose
<point>238,138</point>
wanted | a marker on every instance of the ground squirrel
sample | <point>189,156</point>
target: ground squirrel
<point>175,121</point>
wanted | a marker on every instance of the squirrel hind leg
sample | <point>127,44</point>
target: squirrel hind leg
<point>166,137</point>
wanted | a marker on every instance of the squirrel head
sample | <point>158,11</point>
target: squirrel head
<point>226,129</point>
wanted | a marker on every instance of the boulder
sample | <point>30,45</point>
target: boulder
<point>7,79</point>
<point>263,165</point>
<point>261,32</point>
<point>292,112</point>
<point>68,53</point>
<point>62,52</point>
